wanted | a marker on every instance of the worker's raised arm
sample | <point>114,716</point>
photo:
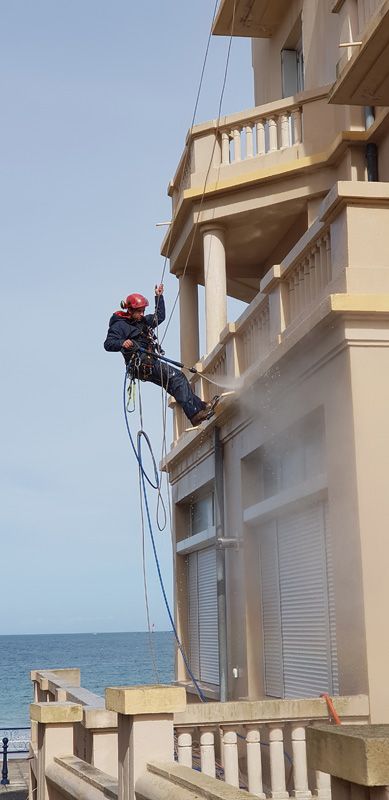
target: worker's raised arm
<point>159,314</point>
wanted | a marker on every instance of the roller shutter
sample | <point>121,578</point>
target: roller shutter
<point>298,606</point>
<point>203,620</point>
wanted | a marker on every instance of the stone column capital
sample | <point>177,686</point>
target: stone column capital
<point>212,227</point>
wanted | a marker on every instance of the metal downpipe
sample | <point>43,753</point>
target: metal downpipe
<point>371,150</point>
<point>221,566</point>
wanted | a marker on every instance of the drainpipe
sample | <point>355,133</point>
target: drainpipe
<point>371,151</point>
<point>220,566</point>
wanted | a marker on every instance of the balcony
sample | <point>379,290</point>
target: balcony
<point>160,747</point>
<point>257,20</point>
<point>338,267</point>
<point>364,78</point>
<point>255,174</point>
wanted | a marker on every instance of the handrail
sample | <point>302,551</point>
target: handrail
<point>268,711</point>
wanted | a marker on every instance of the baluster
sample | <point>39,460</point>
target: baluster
<point>237,145</point>
<point>297,293</point>
<point>184,747</point>
<point>291,310</point>
<point>207,752</point>
<point>225,148</point>
<point>319,276</point>
<point>249,142</point>
<point>323,785</point>
<point>297,126</point>
<point>307,281</point>
<point>254,762</point>
<point>313,274</point>
<point>273,136</point>
<point>302,287</point>
<point>284,127</point>
<point>327,240</point>
<point>323,262</point>
<point>277,764</point>
<point>300,770</point>
<point>261,145</point>
<point>230,750</point>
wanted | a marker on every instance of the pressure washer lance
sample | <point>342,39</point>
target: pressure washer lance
<point>174,363</point>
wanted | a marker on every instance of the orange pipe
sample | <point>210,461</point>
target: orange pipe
<point>331,709</point>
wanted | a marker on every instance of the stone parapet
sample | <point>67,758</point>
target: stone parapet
<point>358,754</point>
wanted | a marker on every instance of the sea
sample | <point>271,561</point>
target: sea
<point>105,659</point>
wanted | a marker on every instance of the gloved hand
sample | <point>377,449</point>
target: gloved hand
<point>159,289</point>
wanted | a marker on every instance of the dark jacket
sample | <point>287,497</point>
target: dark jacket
<point>121,327</point>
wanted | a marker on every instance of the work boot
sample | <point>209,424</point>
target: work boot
<point>207,412</point>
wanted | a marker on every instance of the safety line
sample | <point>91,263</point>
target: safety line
<point>191,126</point>
<point>196,223</point>
<point>144,477</point>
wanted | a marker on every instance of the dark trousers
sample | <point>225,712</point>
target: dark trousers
<point>176,384</point>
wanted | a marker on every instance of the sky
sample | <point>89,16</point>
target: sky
<point>96,99</point>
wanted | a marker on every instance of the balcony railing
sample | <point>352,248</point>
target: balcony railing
<point>326,260</point>
<point>259,746</point>
<point>262,134</point>
<point>215,149</point>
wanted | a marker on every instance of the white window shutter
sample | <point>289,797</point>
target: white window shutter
<point>289,71</point>
<point>304,603</point>
<point>271,611</point>
<point>193,616</point>
<point>208,618</point>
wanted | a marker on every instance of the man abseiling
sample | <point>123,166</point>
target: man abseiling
<point>129,330</point>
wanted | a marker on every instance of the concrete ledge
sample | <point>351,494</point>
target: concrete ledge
<point>271,710</point>
<point>55,713</point>
<point>197,782</point>
<point>133,700</point>
<point>355,753</point>
<point>74,778</point>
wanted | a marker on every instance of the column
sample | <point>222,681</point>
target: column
<point>189,320</point>
<point>55,736</point>
<point>145,729</point>
<point>215,282</point>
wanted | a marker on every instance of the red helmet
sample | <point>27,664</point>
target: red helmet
<point>135,301</point>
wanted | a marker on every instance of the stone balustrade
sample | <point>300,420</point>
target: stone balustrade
<point>308,275</point>
<point>260,745</point>
<point>217,149</point>
<point>168,749</point>
<point>341,255</point>
<point>265,133</point>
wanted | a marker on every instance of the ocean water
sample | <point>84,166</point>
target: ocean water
<point>105,659</point>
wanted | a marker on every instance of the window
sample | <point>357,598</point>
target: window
<point>202,616</point>
<point>298,610</point>
<point>201,515</point>
<point>292,62</point>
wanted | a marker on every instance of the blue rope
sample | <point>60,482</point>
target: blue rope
<point>144,477</point>
<point>155,485</point>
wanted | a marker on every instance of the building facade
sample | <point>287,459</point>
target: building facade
<point>281,502</point>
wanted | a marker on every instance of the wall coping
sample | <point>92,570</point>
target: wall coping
<point>355,753</point>
<point>133,700</point>
<point>55,713</point>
